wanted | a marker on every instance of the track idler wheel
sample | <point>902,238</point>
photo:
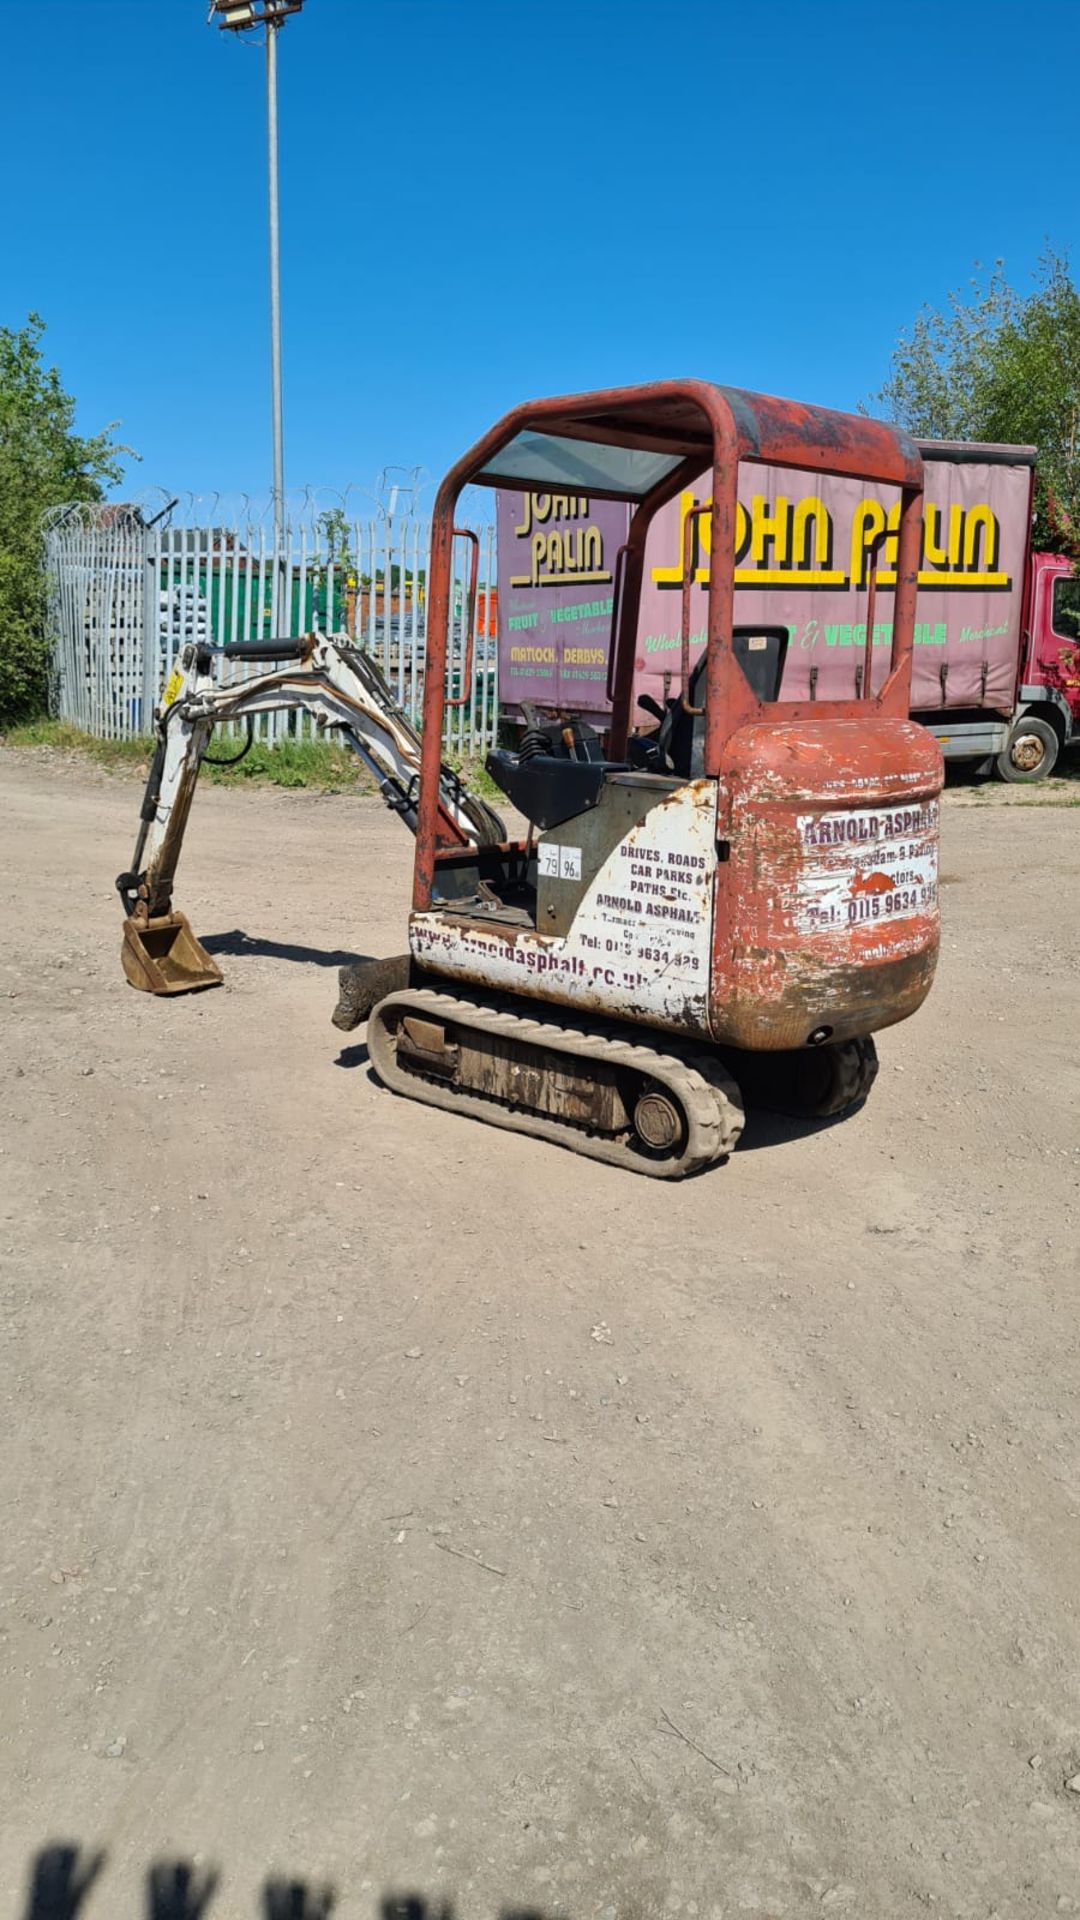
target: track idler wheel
<point>659,1121</point>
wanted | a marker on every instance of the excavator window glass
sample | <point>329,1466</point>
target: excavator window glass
<point>1066,616</point>
<point>552,459</point>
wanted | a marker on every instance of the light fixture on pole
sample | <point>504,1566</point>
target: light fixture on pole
<point>239,16</point>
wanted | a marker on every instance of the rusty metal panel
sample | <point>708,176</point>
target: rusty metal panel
<point>827,909</point>
<point>428,1044</point>
<point>638,946</point>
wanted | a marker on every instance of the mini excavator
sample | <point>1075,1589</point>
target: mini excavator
<point>739,890</point>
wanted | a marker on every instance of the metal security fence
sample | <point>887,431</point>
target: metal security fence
<point>98,582</point>
<point>127,590</point>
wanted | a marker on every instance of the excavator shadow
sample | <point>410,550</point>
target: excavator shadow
<point>764,1128</point>
<point>767,1128</point>
<point>239,945</point>
<point>357,1056</point>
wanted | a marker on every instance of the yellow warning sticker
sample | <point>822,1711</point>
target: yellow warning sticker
<point>172,686</point>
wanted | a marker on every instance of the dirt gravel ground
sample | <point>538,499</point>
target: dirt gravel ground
<point>404,1505</point>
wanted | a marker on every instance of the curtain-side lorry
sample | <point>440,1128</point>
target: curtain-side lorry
<point>997,639</point>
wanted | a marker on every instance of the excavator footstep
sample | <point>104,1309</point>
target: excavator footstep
<point>163,956</point>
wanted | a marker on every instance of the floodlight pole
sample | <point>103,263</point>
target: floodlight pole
<point>240,16</point>
<point>281,609</point>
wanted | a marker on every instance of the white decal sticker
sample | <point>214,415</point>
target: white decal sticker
<point>559,863</point>
<point>864,866</point>
<point>641,934</point>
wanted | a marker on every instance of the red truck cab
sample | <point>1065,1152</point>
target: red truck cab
<point>1048,694</point>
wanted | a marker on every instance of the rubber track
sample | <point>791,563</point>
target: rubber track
<point>854,1070</point>
<point>851,1071</point>
<point>704,1090</point>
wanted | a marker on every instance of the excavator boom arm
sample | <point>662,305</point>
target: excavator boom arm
<point>347,695</point>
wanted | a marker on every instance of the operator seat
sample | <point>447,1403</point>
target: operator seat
<point>760,652</point>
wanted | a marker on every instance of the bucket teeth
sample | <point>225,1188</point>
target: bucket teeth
<point>163,956</point>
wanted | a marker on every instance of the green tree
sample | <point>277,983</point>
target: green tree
<point>1000,366</point>
<point>43,462</point>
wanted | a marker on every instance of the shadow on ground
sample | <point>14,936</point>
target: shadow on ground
<point>240,945</point>
<point>357,1056</point>
<point>63,1874</point>
<point>765,1127</point>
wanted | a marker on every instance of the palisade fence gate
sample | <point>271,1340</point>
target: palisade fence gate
<point>127,590</point>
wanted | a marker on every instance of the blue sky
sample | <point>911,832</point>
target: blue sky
<point>484,200</point>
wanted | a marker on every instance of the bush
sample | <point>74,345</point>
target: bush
<point>43,463</point>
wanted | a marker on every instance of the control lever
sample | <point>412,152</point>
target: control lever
<point>651,706</point>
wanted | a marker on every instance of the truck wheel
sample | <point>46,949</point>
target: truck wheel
<point>1031,752</point>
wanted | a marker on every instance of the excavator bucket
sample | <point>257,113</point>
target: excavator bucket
<point>163,956</point>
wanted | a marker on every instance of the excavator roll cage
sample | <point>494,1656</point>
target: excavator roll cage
<point>644,445</point>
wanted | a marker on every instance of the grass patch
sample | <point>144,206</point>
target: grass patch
<point>320,765</point>
<point>324,767</point>
<point>1048,796</point>
<point>289,763</point>
<point>474,775</point>
<point>64,738</point>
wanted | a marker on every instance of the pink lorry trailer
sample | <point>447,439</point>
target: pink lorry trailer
<point>997,638</point>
